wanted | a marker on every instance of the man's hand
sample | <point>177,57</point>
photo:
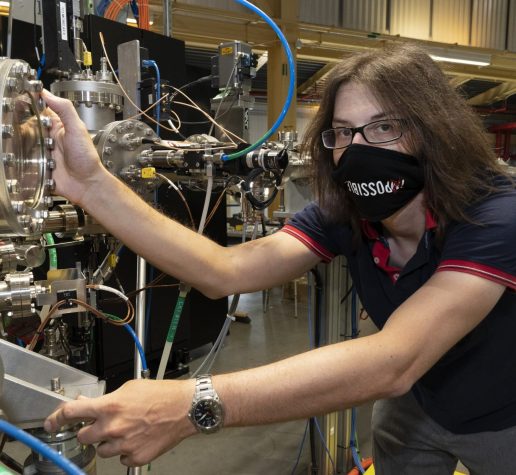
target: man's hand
<point>78,167</point>
<point>139,421</point>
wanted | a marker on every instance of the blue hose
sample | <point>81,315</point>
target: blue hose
<point>129,328</point>
<point>151,63</point>
<point>41,448</point>
<point>137,342</point>
<point>134,8</point>
<point>291,85</point>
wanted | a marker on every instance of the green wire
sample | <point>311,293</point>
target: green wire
<point>52,253</point>
<point>112,317</point>
<point>176,316</point>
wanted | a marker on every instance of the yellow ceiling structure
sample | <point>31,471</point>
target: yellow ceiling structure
<point>207,27</point>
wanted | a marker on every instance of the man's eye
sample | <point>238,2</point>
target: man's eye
<point>344,132</point>
<point>384,127</point>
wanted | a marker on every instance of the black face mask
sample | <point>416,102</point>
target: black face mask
<point>378,180</point>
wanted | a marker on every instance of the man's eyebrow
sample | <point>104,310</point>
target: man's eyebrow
<point>381,115</point>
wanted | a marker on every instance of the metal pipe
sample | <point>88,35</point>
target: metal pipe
<point>166,18</point>
<point>139,320</point>
<point>139,326</point>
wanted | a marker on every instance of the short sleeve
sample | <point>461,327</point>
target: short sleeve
<point>485,247</point>
<point>325,239</point>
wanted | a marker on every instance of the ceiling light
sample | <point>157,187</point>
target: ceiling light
<point>451,55</point>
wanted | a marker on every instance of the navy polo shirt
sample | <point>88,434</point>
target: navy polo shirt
<point>472,388</point>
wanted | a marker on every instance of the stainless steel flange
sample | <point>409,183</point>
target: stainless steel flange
<point>25,164</point>
<point>120,145</point>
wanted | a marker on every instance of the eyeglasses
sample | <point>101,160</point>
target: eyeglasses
<point>379,131</point>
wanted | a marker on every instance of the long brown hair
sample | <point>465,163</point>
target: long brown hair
<point>444,133</point>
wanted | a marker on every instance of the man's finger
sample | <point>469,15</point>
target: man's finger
<point>109,448</point>
<point>70,413</point>
<point>91,434</point>
<point>62,107</point>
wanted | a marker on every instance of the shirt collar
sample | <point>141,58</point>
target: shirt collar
<point>371,232</point>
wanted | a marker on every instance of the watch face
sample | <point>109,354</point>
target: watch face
<point>207,414</point>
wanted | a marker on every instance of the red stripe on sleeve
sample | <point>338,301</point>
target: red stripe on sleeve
<point>480,270</point>
<point>313,245</point>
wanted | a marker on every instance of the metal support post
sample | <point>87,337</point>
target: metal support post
<point>139,328</point>
<point>166,18</point>
<point>334,281</point>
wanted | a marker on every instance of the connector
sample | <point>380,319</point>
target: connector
<point>148,173</point>
<point>87,59</point>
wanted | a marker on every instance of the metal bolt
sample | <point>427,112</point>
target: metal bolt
<point>24,219</point>
<point>46,121</point>
<point>50,184</point>
<point>111,138</point>
<point>49,143</point>
<point>48,201</point>
<point>55,385</point>
<point>51,164</point>
<point>19,207</point>
<point>7,131</point>
<point>7,104</point>
<point>11,83</point>
<point>108,151</point>
<point>109,164</point>
<point>33,85</point>
<point>148,132</point>
<point>12,186</point>
<point>9,159</point>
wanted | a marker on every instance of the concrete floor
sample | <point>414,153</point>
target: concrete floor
<point>270,450</point>
<point>245,451</point>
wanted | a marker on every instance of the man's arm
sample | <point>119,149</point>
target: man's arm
<point>213,269</point>
<point>143,419</point>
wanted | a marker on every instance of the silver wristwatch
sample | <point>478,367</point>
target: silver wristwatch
<point>207,413</point>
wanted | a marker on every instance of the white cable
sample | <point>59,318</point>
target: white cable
<point>110,289</point>
<point>167,349</point>
<point>172,126</point>
<point>208,362</point>
<point>209,187</point>
<point>169,181</point>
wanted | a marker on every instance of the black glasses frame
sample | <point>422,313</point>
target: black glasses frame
<point>355,130</point>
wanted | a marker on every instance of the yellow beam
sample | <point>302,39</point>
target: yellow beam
<point>495,94</point>
<point>207,27</point>
<point>324,71</point>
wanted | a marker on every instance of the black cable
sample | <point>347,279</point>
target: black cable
<point>346,295</point>
<point>314,468</point>
<point>264,228</point>
<point>197,81</point>
<point>246,186</point>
